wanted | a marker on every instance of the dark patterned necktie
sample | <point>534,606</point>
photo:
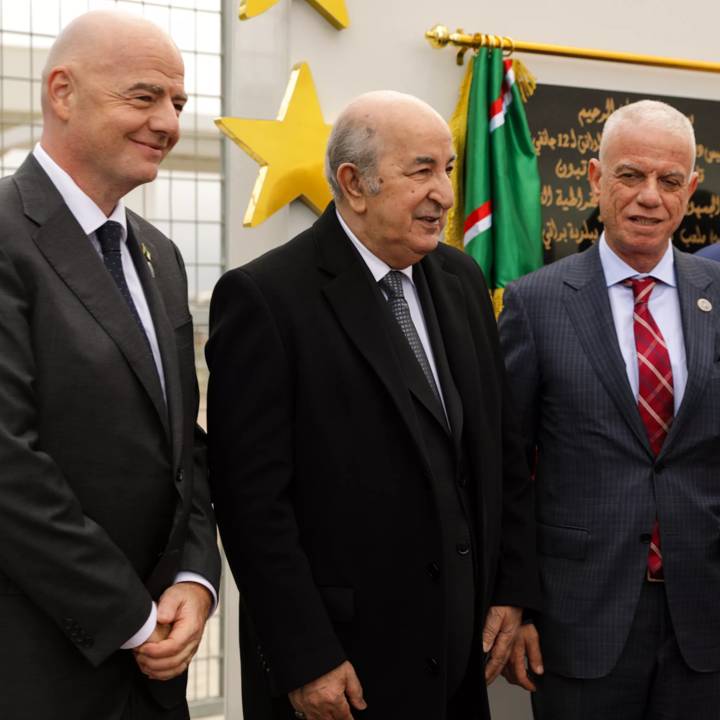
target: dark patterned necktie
<point>109,236</point>
<point>392,285</point>
<point>656,395</point>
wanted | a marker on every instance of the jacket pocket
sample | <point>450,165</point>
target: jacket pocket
<point>564,542</point>
<point>339,602</point>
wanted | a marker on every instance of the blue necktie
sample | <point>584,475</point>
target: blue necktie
<point>109,236</point>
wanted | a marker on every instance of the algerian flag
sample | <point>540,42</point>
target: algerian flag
<point>497,214</point>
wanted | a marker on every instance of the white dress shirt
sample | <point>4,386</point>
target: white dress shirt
<point>664,306</point>
<point>90,217</point>
<point>379,269</point>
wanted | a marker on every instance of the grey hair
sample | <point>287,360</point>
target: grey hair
<point>649,112</point>
<point>356,142</point>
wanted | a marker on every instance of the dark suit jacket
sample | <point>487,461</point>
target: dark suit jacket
<point>321,479</point>
<point>598,486</point>
<point>103,496</point>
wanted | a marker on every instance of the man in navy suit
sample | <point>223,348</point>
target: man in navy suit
<point>613,356</point>
<point>712,252</point>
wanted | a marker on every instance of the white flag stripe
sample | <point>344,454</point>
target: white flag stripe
<point>479,227</point>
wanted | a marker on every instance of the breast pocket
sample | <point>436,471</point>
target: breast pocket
<point>562,541</point>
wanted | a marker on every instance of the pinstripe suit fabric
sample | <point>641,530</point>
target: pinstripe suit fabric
<point>598,484</point>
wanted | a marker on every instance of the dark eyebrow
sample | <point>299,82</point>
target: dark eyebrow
<point>155,90</point>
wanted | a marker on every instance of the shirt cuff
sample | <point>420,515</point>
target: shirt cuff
<point>144,632</point>
<point>186,576</point>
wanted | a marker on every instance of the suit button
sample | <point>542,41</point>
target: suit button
<point>432,665</point>
<point>645,538</point>
<point>179,476</point>
<point>433,570</point>
<point>462,481</point>
<point>463,548</point>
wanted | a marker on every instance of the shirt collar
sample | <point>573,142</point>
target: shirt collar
<point>89,216</point>
<point>378,268</point>
<point>616,269</point>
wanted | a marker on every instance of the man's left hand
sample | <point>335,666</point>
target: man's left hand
<point>501,625</point>
<point>185,607</point>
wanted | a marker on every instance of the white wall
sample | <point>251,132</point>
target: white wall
<point>384,47</point>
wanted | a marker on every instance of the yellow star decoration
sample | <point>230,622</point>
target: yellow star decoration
<point>334,11</point>
<point>290,150</point>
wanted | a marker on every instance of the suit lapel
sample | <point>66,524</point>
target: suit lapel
<point>453,405</point>
<point>165,336</point>
<point>699,333</point>
<point>446,316</point>
<point>588,307</point>
<point>357,304</point>
<point>67,249</point>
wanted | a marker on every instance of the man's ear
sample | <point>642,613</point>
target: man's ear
<point>60,91</point>
<point>594,173</point>
<point>352,186</point>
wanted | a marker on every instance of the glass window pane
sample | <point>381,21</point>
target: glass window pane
<point>190,72</point>
<point>135,200</point>
<point>70,9</point>
<point>182,28</point>
<point>183,235</point>
<point>16,16</point>
<point>45,16</point>
<point>209,244</point>
<point>182,199</point>
<point>159,15</point>
<point>16,96</point>
<point>208,32</point>
<point>208,200</point>
<point>208,108</point>
<point>208,5</point>
<point>207,277</point>
<point>208,68</point>
<point>16,56</point>
<point>157,199</point>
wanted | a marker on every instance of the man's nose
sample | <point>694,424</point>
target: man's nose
<point>649,194</point>
<point>442,192</point>
<point>165,119</point>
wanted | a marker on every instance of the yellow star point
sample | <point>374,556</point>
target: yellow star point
<point>334,11</point>
<point>291,150</point>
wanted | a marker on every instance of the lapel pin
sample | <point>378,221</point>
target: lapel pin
<point>704,304</point>
<point>148,258</point>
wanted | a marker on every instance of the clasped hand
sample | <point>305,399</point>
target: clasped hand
<point>181,615</point>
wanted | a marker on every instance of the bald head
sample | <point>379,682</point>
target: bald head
<point>99,39</point>
<point>652,115</point>
<point>112,93</point>
<point>365,127</point>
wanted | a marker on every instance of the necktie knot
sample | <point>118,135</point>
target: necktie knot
<point>642,288</point>
<point>109,236</point>
<point>392,285</point>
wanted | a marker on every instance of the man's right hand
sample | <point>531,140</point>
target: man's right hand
<point>330,696</point>
<point>525,654</point>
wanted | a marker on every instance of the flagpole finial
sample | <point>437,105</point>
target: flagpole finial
<point>438,36</point>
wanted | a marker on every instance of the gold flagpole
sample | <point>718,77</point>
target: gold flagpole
<point>440,36</point>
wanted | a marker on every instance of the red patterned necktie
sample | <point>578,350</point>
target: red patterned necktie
<point>655,396</point>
